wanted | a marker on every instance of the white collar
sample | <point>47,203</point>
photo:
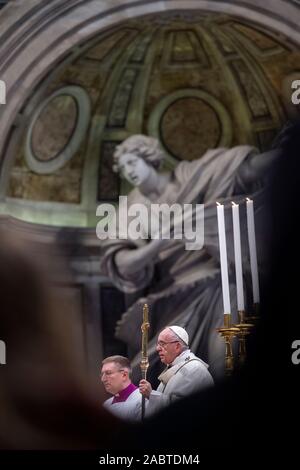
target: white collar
<point>183,357</point>
<point>186,356</point>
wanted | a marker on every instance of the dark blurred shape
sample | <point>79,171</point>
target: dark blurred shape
<point>47,400</point>
<point>3,3</point>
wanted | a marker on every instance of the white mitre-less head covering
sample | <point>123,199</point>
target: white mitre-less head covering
<point>181,333</point>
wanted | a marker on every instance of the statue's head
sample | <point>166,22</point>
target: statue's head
<point>136,157</point>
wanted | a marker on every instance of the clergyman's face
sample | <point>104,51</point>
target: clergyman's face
<point>113,377</point>
<point>134,168</point>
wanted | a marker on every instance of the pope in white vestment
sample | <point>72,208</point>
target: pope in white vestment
<point>184,375</point>
<point>188,374</point>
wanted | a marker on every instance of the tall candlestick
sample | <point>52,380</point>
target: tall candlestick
<point>223,258</point>
<point>238,257</point>
<point>252,249</point>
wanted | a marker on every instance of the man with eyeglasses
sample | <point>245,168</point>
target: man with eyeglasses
<point>185,373</point>
<point>126,400</point>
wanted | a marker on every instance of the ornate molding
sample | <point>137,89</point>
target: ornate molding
<point>83,106</point>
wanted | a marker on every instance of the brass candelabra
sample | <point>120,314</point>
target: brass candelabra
<point>241,330</point>
<point>228,332</point>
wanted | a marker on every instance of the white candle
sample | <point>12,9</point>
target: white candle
<point>238,256</point>
<point>252,249</point>
<point>223,258</point>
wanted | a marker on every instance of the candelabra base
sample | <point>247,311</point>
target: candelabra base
<point>228,332</point>
<point>244,326</point>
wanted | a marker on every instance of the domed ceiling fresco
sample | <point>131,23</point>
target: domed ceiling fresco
<point>195,81</point>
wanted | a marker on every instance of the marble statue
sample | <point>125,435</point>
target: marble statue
<point>181,287</point>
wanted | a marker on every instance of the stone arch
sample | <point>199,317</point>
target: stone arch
<point>37,35</point>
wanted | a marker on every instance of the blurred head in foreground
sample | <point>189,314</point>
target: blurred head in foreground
<point>46,397</point>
